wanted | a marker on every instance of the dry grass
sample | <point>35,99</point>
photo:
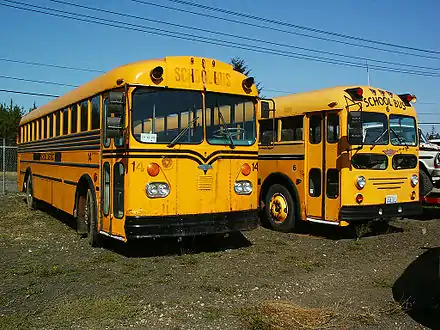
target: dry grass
<point>285,315</point>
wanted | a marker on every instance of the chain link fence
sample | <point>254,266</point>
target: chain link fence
<point>8,167</point>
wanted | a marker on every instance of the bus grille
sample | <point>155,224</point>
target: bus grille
<point>205,182</point>
<point>388,183</point>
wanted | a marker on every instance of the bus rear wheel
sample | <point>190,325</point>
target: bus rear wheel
<point>279,209</point>
<point>30,200</point>
<point>87,218</point>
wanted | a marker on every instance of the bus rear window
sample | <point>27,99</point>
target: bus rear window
<point>370,161</point>
<point>401,162</point>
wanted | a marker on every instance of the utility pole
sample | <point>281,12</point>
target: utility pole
<point>368,72</point>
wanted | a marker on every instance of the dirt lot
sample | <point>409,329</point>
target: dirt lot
<point>321,278</point>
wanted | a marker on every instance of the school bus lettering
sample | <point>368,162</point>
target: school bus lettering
<point>211,77</point>
<point>374,101</point>
<point>47,156</point>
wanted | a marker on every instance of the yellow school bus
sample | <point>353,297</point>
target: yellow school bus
<point>338,156</point>
<point>163,147</point>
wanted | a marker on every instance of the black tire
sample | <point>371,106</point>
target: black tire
<point>30,199</point>
<point>425,184</point>
<point>95,239</point>
<point>279,210</point>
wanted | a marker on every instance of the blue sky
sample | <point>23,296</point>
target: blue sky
<point>41,38</point>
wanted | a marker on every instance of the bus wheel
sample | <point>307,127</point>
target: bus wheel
<point>280,210</point>
<point>91,220</point>
<point>30,200</point>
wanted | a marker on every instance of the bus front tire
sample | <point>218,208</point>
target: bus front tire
<point>30,200</point>
<point>279,209</point>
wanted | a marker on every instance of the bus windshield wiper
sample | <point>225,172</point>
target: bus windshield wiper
<point>225,128</point>
<point>399,139</point>
<point>181,133</point>
<point>377,140</point>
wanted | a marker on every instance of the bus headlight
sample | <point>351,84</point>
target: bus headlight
<point>157,189</point>
<point>243,187</point>
<point>414,180</point>
<point>361,182</point>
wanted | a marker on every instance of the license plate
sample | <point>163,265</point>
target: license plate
<point>391,199</point>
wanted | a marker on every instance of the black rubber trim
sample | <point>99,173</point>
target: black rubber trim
<point>90,139</point>
<point>72,183</point>
<point>426,157</point>
<point>371,212</point>
<point>54,149</point>
<point>190,225</point>
<point>47,177</point>
<point>62,164</point>
<point>281,157</point>
<point>61,138</point>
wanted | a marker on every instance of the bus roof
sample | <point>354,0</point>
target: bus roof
<point>337,98</point>
<point>178,72</point>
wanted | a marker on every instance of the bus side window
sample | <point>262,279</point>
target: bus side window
<point>104,123</point>
<point>267,134</point>
<point>95,103</point>
<point>57,123</point>
<point>332,128</point>
<point>332,183</point>
<point>84,115</point>
<point>315,129</point>
<point>292,128</point>
<point>65,121</point>
<point>73,118</point>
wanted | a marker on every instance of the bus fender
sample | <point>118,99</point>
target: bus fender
<point>84,183</point>
<point>280,178</point>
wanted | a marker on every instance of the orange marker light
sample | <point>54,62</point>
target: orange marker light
<point>245,169</point>
<point>153,169</point>
<point>359,198</point>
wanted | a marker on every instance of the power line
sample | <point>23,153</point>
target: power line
<point>277,22</point>
<point>27,93</point>
<point>249,24</point>
<point>37,81</point>
<point>239,37</point>
<point>48,65</point>
<point>223,43</point>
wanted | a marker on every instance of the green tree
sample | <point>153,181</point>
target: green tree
<point>238,64</point>
<point>10,116</point>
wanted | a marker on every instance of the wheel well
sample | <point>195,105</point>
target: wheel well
<point>84,183</point>
<point>282,179</point>
<point>26,175</point>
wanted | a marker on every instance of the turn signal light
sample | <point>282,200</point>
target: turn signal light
<point>245,169</point>
<point>153,169</point>
<point>413,195</point>
<point>407,98</point>
<point>359,198</point>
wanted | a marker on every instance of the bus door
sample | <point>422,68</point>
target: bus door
<point>113,166</point>
<point>322,195</point>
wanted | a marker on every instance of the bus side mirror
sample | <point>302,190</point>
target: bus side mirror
<point>355,132</point>
<point>115,114</point>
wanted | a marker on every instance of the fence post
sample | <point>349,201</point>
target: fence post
<point>4,166</point>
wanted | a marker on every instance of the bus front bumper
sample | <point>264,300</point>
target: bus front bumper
<point>372,212</point>
<point>190,225</point>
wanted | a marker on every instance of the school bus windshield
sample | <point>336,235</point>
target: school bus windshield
<point>378,129</point>
<point>176,116</point>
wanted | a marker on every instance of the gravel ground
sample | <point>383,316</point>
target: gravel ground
<point>319,278</point>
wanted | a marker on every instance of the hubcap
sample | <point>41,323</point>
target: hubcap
<point>278,207</point>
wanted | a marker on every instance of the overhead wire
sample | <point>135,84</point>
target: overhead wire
<point>45,82</point>
<point>48,65</point>
<point>126,15</point>
<point>250,24</point>
<point>27,93</point>
<point>186,36</point>
<point>296,26</point>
